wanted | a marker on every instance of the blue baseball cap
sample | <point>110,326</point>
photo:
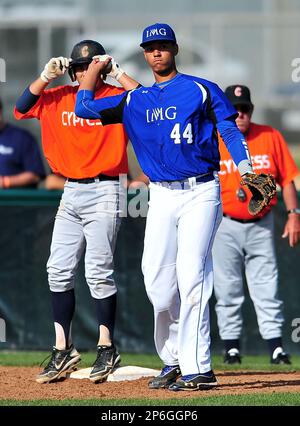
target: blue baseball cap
<point>158,32</point>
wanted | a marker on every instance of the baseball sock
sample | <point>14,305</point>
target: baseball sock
<point>63,307</point>
<point>232,343</point>
<point>273,344</point>
<point>106,312</point>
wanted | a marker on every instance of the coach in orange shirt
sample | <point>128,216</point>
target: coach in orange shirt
<point>244,242</point>
<point>90,157</point>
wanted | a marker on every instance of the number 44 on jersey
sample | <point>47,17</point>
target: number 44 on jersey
<point>186,134</point>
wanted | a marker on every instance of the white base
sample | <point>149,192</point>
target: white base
<point>120,373</point>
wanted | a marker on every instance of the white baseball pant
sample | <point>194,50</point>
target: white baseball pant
<point>178,271</point>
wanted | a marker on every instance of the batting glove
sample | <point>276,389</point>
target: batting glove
<point>113,70</point>
<point>54,68</point>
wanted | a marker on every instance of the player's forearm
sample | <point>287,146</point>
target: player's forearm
<point>19,180</point>
<point>236,145</point>
<point>292,226</point>
<point>290,196</point>
<point>90,80</point>
<point>55,182</point>
<point>38,86</point>
<point>127,82</point>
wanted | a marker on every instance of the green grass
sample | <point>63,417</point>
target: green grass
<point>278,399</point>
<point>30,359</point>
<point>259,362</point>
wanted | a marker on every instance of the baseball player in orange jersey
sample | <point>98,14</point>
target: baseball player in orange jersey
<point>91,158</point>
<point>244,242</point>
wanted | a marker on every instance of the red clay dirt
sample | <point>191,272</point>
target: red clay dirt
<point>18,383</point>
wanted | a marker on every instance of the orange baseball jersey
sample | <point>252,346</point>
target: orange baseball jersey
<point>75,147</point>
<point>269,154</point>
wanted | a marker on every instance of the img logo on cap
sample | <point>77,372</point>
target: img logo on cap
<point>158,32</point>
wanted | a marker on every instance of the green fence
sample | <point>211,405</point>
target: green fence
<point>27,218</point>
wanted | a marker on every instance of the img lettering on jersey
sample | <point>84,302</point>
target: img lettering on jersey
<point>160,114</point>
<point>69,118</point>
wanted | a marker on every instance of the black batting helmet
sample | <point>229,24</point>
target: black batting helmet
<point>83,53</point>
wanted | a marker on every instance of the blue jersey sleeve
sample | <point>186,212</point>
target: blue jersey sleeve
<point>234,140</point>
<point>109,109</point>
<point>218,107</point>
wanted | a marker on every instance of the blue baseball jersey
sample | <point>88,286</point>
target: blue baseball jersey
<point>19,152</point>
<point>172,127</point>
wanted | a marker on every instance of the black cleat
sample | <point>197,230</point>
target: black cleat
<point>169,374</point>
<point>61,363</point>
<point>107,360</point>
<point>194,382</point>
<point>281,358</point>
<point>232,357</point>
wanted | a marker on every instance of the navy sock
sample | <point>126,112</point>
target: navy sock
<point>273,344</point>
<point>63,307</point>
<point>230,344</point>
<point>207,374</point>
<point>106,313</point>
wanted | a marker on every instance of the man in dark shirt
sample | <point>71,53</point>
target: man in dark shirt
<point>21,164</point>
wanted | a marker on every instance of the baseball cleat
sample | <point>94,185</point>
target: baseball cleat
<point>194,382</point>
<point>232,357</point>
<point>107,360</point>
<point>281,358</point>
<point>169,374</point>
<point>61,363</point>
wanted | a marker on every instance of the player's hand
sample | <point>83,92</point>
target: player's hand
<point>55,68</point>
<point>113,69</point>
<point>100,65</point>
<point>292,229</point>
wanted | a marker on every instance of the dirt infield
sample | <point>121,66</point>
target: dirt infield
<point>18,383</point>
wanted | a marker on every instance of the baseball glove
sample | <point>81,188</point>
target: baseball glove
<point>263,188</point>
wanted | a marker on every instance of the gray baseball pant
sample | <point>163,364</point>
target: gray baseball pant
<point>88,218</point>
<point>247,246</point>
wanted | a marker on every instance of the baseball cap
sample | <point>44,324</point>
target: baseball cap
<point>157,32</point>
<point>239,95</point>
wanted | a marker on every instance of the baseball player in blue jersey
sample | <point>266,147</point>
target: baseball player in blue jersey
<point>172,126</point>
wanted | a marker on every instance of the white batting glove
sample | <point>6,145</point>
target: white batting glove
<point>54,68</point>
<point>116,71</point>
<point>113,69</point>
